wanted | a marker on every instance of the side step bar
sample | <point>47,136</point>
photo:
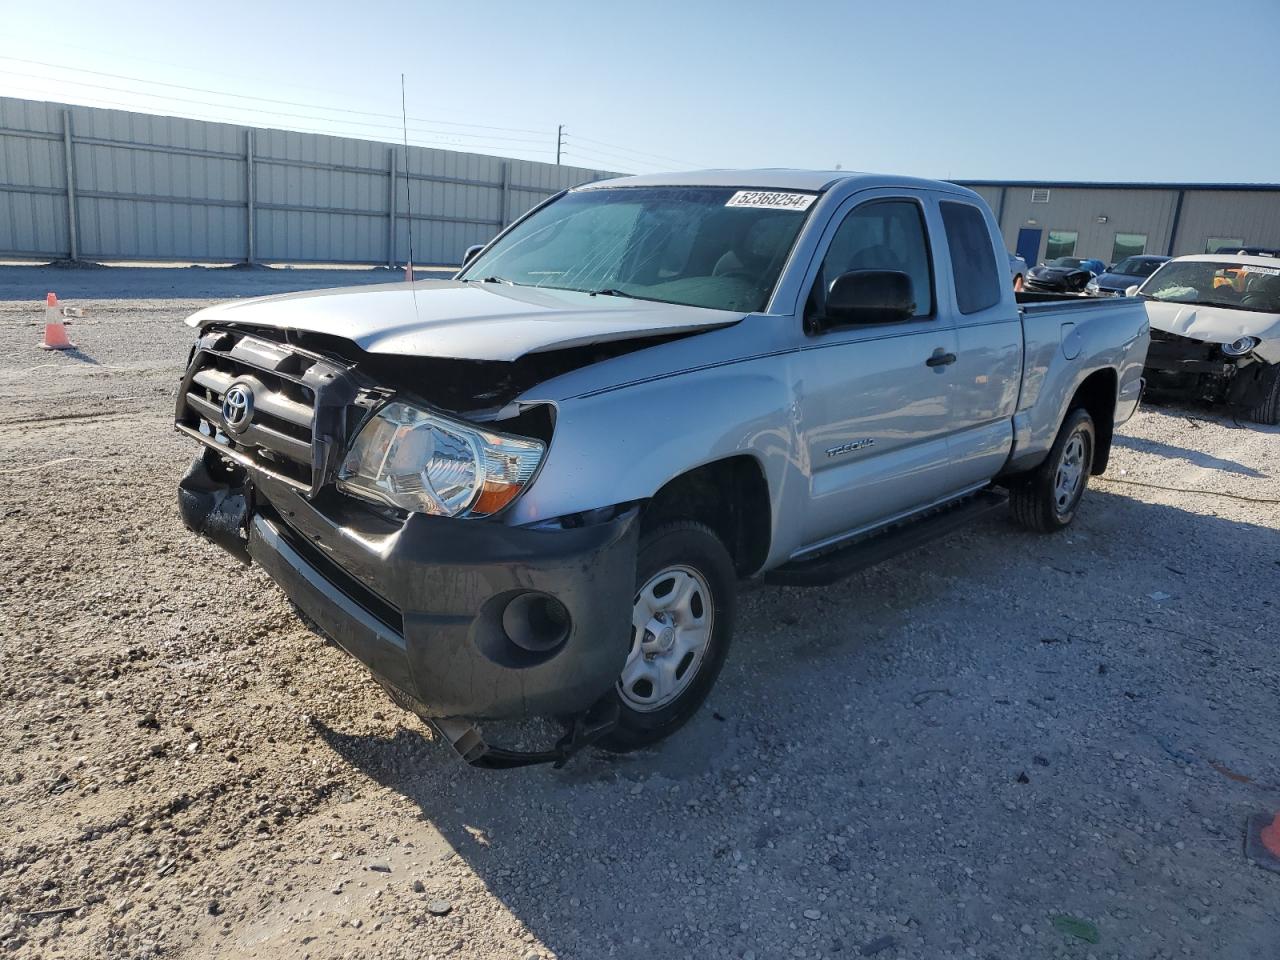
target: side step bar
<point>840,562</point>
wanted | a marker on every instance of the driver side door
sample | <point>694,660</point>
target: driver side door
<point>875,398</point>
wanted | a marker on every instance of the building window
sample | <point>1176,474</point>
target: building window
<point>1128,245</point>
<point>1062,243</point>
<point>1223,244</point>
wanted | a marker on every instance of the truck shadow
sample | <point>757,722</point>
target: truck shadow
<point>849,718</point>
<point>1168,450</point>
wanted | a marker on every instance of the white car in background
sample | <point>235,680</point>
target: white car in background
<point>1215,331</point>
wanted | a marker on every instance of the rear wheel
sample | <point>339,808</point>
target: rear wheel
<point>1268,409</point>
<point>681,623</point>
<point>1045,500</point>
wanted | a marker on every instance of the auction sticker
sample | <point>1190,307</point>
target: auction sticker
<point>771,201</point>
<point>1269,271</point>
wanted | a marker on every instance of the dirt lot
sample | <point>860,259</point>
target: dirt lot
<point>934,759</point>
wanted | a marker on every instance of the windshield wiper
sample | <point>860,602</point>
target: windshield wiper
<point>613,292</point>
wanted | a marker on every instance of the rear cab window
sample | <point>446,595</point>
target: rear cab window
<point>973,260</point>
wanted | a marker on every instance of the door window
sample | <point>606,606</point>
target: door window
<point>973,262</point>
<point>884,235</point>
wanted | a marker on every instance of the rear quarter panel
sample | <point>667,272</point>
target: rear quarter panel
<point>1065,343</point>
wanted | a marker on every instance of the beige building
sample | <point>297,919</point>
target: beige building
<point>1109,221</point>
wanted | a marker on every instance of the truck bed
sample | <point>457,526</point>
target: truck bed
<point>1037,303</point>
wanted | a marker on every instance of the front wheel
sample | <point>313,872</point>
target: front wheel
<point>1268,409</point>
<point>681,624</point>
<point>1045,500</point>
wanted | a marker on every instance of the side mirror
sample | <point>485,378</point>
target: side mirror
<point>869,296</point>
<point>1131,291</point>
<point>472,252</point>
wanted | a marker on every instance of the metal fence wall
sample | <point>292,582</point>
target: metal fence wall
<point>94,184</point>
<point>1177,219</point>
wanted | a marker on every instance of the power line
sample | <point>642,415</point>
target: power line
<point>619,158</point>
<point>656,156</point>
<point>149,109</point>
<point>606,166</point>
<point>306,105</point>
<point>627,163</point>
<point>245,96</point>
<point>617,152</point>
<point>487,138</point>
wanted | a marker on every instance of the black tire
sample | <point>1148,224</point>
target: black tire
<point>1268,409</point>
<point>1034,498</point>
<point>692,546</point>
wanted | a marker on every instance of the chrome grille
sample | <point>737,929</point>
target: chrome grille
<point>300,408</point>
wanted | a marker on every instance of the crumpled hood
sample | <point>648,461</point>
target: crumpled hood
<point>465,321</point>
<point>1218,325</point>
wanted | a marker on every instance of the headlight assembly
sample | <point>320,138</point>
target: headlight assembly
<point>416,460</point>
<point>1238,348</point>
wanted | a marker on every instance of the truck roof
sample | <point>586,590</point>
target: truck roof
<point>778,178</point>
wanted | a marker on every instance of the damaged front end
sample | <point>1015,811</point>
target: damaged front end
<point>1230,374</point>
<point>462,618</point>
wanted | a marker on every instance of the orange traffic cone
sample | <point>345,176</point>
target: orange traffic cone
<point>408,272</point>
<point>1262,842</point>
<point>55,331</point>
<point>1270,837</point>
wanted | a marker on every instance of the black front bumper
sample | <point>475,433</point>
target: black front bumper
<point>420,601</point>
<point>1173,354</point>
<point>1048,286</point>
<point>1200,370</point>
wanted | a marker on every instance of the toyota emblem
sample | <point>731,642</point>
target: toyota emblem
<point>237,407</point>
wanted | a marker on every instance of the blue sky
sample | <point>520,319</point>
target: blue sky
<point>1168,90</point>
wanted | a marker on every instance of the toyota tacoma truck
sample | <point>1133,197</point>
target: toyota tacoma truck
<point>532,490</point>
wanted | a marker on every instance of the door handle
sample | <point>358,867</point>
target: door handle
<point>941,360</point>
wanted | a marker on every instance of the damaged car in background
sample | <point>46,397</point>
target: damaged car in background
<point>1215,332</point>
<point>532,490</point>
<point>1063,275</point>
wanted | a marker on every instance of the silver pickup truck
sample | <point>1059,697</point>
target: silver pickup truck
<point>533,489</point>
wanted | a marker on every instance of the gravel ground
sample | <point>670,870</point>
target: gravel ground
<point>934,759</point>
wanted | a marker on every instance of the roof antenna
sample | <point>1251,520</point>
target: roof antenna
<point>408,194</point>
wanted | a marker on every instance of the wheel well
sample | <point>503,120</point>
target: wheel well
<point>1098,395</point>
<point>731,497</point>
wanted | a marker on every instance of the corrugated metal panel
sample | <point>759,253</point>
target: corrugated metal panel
<point>33,220</point>
<point>1252,216</point>
<point>157,188</point>
<point>1148,212</point>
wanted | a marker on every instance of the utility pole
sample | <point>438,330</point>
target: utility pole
<point>559,142</point>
